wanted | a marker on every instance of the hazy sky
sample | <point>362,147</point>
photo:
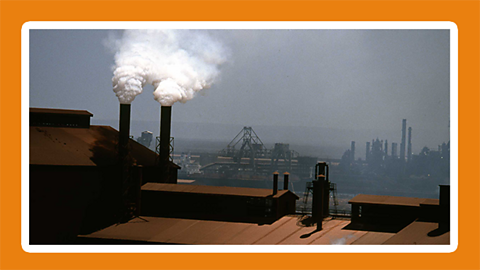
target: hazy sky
<point>355,80</point>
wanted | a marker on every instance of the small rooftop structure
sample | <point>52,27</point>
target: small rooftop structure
<point>216,203</point>
<point>215,190</point>
<point>392,214</point>
<point>60,118</point>
<point>390,200</point>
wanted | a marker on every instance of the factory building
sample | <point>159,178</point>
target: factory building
<point>99,186</point>
<point>74,172</point>
<point>91,176</point>
<point>376,220</point>
<point>216,203</point>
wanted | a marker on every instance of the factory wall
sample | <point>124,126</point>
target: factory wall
<point>67,200</point>
<point>216,206</point>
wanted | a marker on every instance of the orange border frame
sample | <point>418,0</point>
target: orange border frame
<point>464,15</point>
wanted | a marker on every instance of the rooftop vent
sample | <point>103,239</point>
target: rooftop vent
<point>59,118</point>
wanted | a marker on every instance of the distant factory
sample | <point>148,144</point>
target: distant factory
<point>379,160</point>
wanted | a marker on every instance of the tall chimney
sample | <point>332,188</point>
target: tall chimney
<point>352,151</point>
<point>318,200</point>
<point>386,149</point>
<point>367,152</point>
<point>123,159</point>
<point>165,125</point>
<point>402,144</point>
<point>394,150</point>
<point>124,132</point>
<point>275,183</point>
<point>444,219</point>
<point>285,180</point>
<point>409,153</point>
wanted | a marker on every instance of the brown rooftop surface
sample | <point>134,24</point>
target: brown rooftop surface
<point>233,191</point>
<point>285,231</point>
<point>417,233</point>
<point>60,111</point>
<point>390,200</point>
<point>94,146</point>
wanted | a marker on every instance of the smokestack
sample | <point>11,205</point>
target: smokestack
<point>352,151</point>
<point>444,201</point>
<point>124,132</point>
<point>318,200</point>
<point>394,150</point>
<point>165,125</point>
<point>285,180</point>
<point>386,149</point>
<point>275,183</point>
<point>367,155</point>
<point>402,144</point>
<point>409,153</point>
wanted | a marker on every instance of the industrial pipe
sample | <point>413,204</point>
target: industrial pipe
<point>285,180</point>
<point>275,183</point>
<point>124,131</point>
<point>317,204</point>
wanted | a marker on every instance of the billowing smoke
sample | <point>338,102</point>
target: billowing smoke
<point>178,63</point>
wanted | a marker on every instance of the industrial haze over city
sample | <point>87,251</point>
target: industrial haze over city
<point>319,88</point>
<point>315,90</point>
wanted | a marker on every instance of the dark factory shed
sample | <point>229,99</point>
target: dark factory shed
<point>392,213</point>
<point>216,203</point>
<point>74,174</point>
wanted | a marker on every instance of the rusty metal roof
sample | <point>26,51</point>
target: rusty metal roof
<point>391,200</point>
<point>285,231</point>
<point>94,146</point>
<point>60,111</point>
<point>417,233</point>
<point>232,191</point>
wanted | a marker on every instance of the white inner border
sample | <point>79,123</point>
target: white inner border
<point>243,248</point>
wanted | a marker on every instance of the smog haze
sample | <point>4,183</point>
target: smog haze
<point>317,89</point>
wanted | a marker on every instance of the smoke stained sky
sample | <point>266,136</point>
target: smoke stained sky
<point>360,83</point>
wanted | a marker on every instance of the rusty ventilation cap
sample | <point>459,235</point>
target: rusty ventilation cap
<point>275,173</point>
<point>286,173</point>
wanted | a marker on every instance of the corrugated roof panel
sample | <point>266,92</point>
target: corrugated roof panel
<point>386,200</point>
<point>129,231</point>
<point>373,238</point>
<point>55,146</point>
<point>60,111</point>
<point>255,233</point>
<point>224,233</point>
<point>196,232</point>
<point>283,231</point>
<point>337,235</point>
<point>94,146</point>
<point>307,235</point>
<point>166,236</point>
<point>280,233</point>
<point>431,202</point>
<point>417,233</point>
<point>234,191</point>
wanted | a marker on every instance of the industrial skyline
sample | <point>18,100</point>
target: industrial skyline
<point>315,87</point>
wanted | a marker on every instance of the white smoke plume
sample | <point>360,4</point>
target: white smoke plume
<point>178,63</point>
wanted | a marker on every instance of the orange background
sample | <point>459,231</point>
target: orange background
<point>464,13</point>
